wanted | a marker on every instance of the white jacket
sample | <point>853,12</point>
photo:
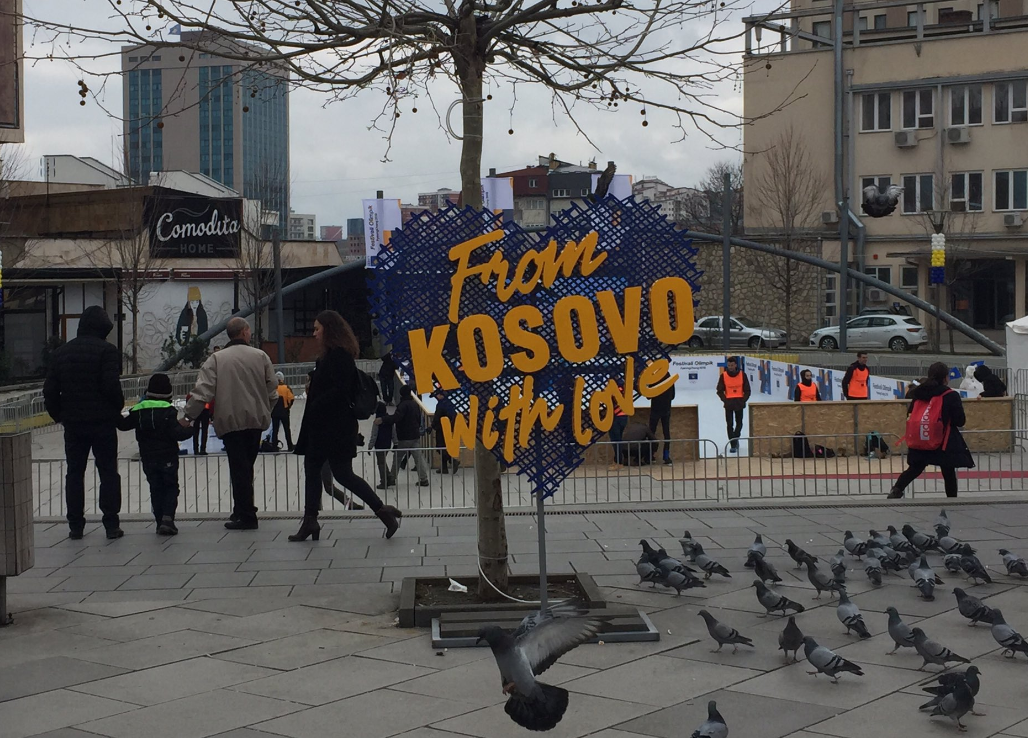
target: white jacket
<point>240,383</point>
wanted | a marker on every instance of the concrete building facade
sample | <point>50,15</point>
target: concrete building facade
<point>302,227</point>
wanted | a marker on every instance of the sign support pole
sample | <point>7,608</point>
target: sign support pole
<point>276,247</point>
<point>540,512</point>
<point>726,264</point>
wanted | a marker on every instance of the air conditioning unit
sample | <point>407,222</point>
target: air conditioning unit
<point>960,135</point>
<point>906,139</point>
<point>875,295</point>
<point>1013,220</point>
<point>829,217</point>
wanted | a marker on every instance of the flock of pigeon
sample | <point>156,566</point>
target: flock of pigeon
<point>953,693</point>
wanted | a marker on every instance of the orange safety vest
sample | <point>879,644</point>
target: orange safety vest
<point>808,393</point>
<point>858,383</point>
<point>733,385</point>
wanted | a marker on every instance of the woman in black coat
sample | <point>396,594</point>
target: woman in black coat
<point>329,431</point>
<point>954,454</point>
<point>992,386</point>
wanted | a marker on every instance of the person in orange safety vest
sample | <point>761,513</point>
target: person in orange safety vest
<point>734,390</point>
<point>806,390</point>
<point>856,384</point>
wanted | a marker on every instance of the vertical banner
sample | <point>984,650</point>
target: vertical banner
<point>620,186</point>
<point>497,194</point>
<point>381,218</point>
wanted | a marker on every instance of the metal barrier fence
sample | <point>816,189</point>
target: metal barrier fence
<point>765,468</point>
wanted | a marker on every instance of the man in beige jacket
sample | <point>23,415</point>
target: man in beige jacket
<point>239,382</point>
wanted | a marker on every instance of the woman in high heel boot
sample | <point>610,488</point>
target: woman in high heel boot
<point>329,431</point>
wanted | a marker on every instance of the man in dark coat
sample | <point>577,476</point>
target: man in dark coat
<point>660,413</point>
<point>444,408</point>
<point>83,393</point>
<point>387,378</point>
<point>992,386</point>
<point>408,435</point>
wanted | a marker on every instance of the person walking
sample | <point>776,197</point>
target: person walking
<point>408,435</point>
<point>280,413</point>
<point>201,428</point>
<point>387,377</point>
<point>856,383</point>
<point>806,390</point>
<point>939,414</point>
<point>383,437</point>
<point>329,430</point>
<point>616,434</point>
<point>338,494</point>
<point>444,408</point>
<point>239,381</point>
<point>992,386</point>
<point>158,433</point>
<point>660,413</point>
<point>83,393</point>
<point>734,390</point>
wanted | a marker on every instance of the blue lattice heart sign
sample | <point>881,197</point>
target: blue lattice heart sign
<point>537,338</point>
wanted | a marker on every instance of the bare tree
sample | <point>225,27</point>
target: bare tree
<point>255,263</point>
<point>790,192</point>
<point>661,55</point>
<point>702,210</point>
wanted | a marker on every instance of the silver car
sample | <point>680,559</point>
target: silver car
<point>741,332</point>
<point>895,332</point>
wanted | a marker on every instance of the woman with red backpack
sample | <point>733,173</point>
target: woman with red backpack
<point>933,437</point>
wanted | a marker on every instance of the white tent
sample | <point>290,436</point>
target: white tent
<point>1017,349</point>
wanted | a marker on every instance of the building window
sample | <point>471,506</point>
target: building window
<point>912,18</point>
<point>822,29</point>
<point>883,274</point>
<point>585,192</point>
<point>918,193</point>
<point>1012,190</point>
<point>880,22</point>
<point>918,109</point>
<point>909,279</point>
<point>882,182</point>
<point>993,9</point>
<point>965,193</point>
<point>876,111</point>
<point>862,23</point>
<point>133,58</point>
<point>532,183</point>
<point>1010,102</point>
<point>965,105</point>
<point>561,193</point>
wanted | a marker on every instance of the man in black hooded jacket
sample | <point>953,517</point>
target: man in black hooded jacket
<point>82,392</point>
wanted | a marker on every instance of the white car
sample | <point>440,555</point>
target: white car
<point>895,332</point>
<point>742,332</point>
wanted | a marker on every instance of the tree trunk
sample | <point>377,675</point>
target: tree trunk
<point>135,336</point>
<point>492,532</point>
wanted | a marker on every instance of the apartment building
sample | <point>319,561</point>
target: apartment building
<point>548,187</point>
<point>302,226</point>
<point>936,101</point>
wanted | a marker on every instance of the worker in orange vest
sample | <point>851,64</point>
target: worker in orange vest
<point>856,384</point>
<point>734,390</point>
<point>806,390</point>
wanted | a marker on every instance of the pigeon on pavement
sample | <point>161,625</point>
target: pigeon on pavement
<point>714,726</point>
<point>921,541</point>
<point>854,546</point>
<point>952,563</point>
<point>649,553</point>
<point>956,704</point>
<point>933,652</point>
<point>826,661</point>
<point>924,578</point>
<point>764,569</point>
<point>821,580</point>
<point>943,522</point>
<point>723,634</point>
<point>1014,563</point>
<point>879,538</point>
<point>838,566</point>
<point>873,569</point>
<point>891,560</point>
<point>668,564</point>
<point>947,684</point>
<point>687,544</point>
<point>972,608</point>
<point>1010,639</point>
<point>648,573</point>
<point>899,632</point>
<point>790,639</point>
<point>533,648</point>
<point>709,565</point>
<point>757,547</point>
<point>679,581</point>
<point>774,602</point>
<point>849,615</point>
<point>797,554</point>
<point>899,542</point>
<point>974,569</point>
<point>950,545</point>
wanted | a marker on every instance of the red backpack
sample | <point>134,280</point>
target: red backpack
<point>925,429</point>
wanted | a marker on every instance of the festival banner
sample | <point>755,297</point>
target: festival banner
<point>381,218</point>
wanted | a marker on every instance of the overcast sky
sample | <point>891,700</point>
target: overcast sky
<point>336,160</point>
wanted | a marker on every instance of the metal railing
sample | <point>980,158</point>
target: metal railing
<point>768,467</point>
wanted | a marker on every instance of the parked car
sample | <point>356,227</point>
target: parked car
<point>900,310</point>
<point>895,332</point>
<point>741,332</point>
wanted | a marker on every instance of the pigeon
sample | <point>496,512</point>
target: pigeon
<point>678,581</point>
<point>854,546</point>
<point>790,639</point>
<point>921,541</point>
<point>723,634</point>
<point>1014,563</point>
<point>948,683</point>
<point>838,566</point>
<point>878,204</point>
<point>891,560</point>
<point>709,565</point>
<point>649,553</point>
<point>797,554</point>
<point>873,569</point>
<point>668,564</point>
<point>757,547</point>
<point>950,545</point>
<point>942,522</point>
<point>924,578</point>
<point>879,538</point>
<point>933,652</point>
<point>972,566</point>
<point>821,581</point>
<point>899,542</point>
<point>764,569</point>
<point>774,602</point>
<point>899,632</point>
<point>533,648</point>
<point>952,563</point>
<point>826,661</point>
<point>956,704</point>
<point>648,573</point>
<point>972,608</point>
<point>849,615</point>
<point>714,726</point>
<point>687,546</point>
<point>1010,639</point>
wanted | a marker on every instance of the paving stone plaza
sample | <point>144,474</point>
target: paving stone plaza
<point>243,634</point>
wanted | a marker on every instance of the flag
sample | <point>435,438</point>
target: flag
<point>176,30</point>
<point>497,193</point>
<point>381,218</point>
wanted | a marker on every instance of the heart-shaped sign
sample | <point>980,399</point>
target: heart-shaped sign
<point>532,336</point>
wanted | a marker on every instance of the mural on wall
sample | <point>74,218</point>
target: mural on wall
<point>180,310</point>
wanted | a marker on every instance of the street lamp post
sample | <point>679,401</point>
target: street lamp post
<point>937,274</point>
